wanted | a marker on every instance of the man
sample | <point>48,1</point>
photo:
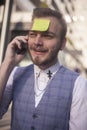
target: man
<point>45,95</point>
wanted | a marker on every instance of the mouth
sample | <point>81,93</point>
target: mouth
<point>39,51</point>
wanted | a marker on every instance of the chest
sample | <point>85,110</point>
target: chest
<point>57,96</point>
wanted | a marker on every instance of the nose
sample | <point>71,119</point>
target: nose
<point>38,40</point>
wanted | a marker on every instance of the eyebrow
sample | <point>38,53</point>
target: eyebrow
<point>47,32</point>
<point>51,33</point>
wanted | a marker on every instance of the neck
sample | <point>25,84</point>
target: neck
<point>44,67</point>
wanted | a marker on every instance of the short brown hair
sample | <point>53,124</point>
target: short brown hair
<point>45,12</point>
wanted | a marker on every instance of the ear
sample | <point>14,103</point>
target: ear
<point>63,44</point>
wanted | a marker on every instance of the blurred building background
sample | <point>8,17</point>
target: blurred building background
<point>15,17</point>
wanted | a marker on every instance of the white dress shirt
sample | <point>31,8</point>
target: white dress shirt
<point>42,80</point>
<point>78,113</point>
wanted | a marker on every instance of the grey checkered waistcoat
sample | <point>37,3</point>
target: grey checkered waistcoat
<point>53,111</point>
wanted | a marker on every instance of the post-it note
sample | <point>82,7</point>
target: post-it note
<point>40,25</point>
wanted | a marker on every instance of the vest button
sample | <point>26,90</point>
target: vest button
<point>34,116</point>
<point>32,128</point>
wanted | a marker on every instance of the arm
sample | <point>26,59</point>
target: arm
<point>5,71</point>
<point>10,61</point>
<point>78,114</point>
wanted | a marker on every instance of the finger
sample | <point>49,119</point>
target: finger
<point>22,38</point>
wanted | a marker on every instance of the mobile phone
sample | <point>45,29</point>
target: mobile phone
<point>23,48</point>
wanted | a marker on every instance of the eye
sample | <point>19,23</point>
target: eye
<point>32,34</point>
<point>47,36</point>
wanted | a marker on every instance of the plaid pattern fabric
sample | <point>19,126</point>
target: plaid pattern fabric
<point>53,111</point>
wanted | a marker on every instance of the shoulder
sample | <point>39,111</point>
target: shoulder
<point>20,70</point>
<point>23,68</point>
<point>64,69</point>
<point>80,86</point>
<point>67,73</point>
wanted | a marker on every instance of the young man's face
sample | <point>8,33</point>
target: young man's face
<point>45,45</point>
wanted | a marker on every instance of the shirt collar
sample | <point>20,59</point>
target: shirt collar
<point>53,69</point>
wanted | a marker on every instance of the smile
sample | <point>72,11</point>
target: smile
<point>39,52</point>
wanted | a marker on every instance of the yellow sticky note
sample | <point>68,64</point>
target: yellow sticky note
<point>40,25</point>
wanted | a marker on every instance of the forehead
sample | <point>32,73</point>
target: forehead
<point>45,24</point>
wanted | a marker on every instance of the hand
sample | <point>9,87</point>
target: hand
<point>12,56</point>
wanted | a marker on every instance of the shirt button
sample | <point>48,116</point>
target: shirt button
<point>32,128</point>
<point>34,116</point>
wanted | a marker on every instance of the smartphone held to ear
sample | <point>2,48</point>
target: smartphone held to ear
<point>23,48</point>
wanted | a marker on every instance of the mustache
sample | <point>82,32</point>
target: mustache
<point>38,48</point>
